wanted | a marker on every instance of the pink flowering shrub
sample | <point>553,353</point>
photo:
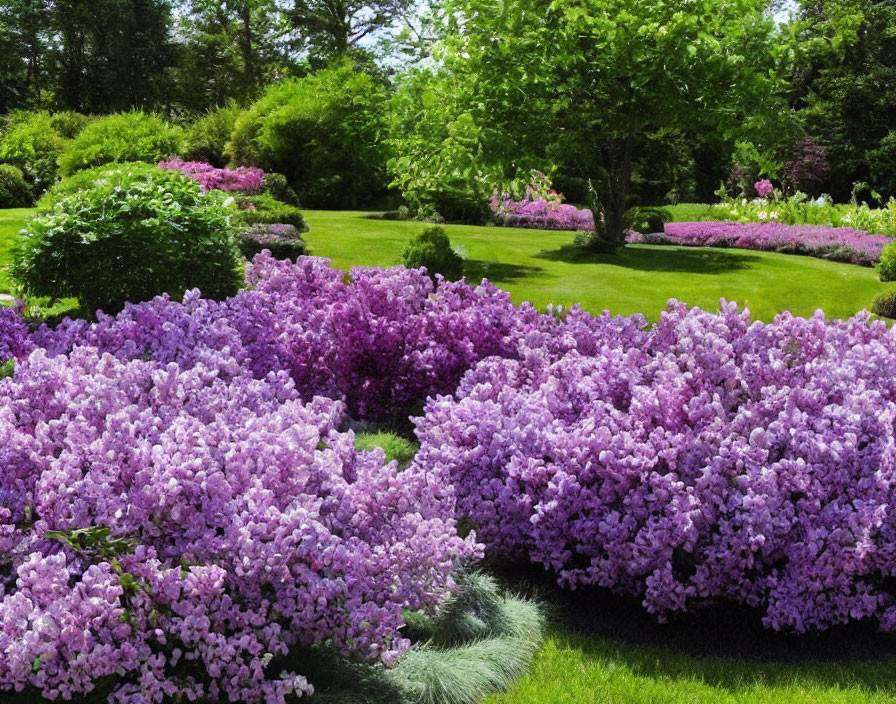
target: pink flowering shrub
<point>707,458</point>
<point>176,530</point>
<point>382,340</point>
<point>244,179</point>
<point>764,188</point>
<point>541,207</point>
<point>838,243</point>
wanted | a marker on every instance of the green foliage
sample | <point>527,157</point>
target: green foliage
<point>68,123</point>
<point>647,220</point>
<point>281,246</point>
<point>207,136</point>
<point>432,249</point>
<point>95,541</point>
<point>885,304</point>
<point>111,174</point>
<point>278,188</point>
<point>128,136</point>
<point>7,368</point>
<point>886,267</point>
<point>322,133</point>
<point>264,208</point>
<point>395,446</point>
<point>128,237</point>
<point>14,191</point>
<point>31,143</point>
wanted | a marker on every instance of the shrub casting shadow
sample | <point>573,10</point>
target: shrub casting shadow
<point>497,272</point>
<point>699,260</point>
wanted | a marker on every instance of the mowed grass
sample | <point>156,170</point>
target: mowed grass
<point>573,669</point>
<point>543,267</point>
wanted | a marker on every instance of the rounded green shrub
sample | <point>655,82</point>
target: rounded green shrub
<point>278,188</point>
<point>127,136</point>
<point>647,220</point>
<point>112,174</point>
<point>432,249</point>
<point>264,209</point>
<point>885,305</point>
<point>69,123</point>
<point>31,143</point>
<point>14,191</point>
<point>209,133</point>
<point>128,236</point>
<point>886,267</point>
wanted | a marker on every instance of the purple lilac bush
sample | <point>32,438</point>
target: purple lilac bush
<point>838,243</point>
<point>707,458</point>
<point>382,340</point>
<point>243,179</point>
<point>14,336</point>
<point>236,523</point>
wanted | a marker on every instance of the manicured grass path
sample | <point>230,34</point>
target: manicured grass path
<point>543,267</point>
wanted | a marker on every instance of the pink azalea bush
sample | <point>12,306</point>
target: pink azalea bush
<point>540,207</point>
<point>764,188</point>
<point>243,179</point>
<point>838,243</point>
<point>707,458</point>
<point>174,524</point>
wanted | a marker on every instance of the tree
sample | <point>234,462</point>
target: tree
<point>26,54</point>
<point>587,80</point>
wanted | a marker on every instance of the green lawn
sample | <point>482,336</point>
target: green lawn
<point>573,669</point>
<point>543,267</point>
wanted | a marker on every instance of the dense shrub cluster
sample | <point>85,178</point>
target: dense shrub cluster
<point>265,209</point>
<point>31,143</point>
<point>707,458</point>
<point>177,529</point>
<point>129,235</point>
<point>128,136</point>
<point>842,244</point>
<point>244,179</point>
<point>886,267</point>
<point>14,190</point>
<point>382,340</point>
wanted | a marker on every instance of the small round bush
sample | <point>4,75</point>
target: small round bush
<point>128,237</point>
<point>265,209</point>
<point>31,143</point>
<point>886,267</point>
<point>68,123</point>
<point>281,240</point>
<point>647,220</point>
<point>432,249</point>
<point>277,187</point>
<point>14,191</point>
<point>885,305</point>
<point>128,136</point>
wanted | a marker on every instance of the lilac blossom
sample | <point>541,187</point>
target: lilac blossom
<point>243,179</point>
<point>838,243</point>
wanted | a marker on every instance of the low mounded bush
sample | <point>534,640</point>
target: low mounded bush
<point>709,458</point>
<point>265,209</point>
<point>886,267</point>
<point>31,143</point>
<point>123,137</point>
<point>14,191</point>
<point>432,249</point>
<point>885,305</point>
<point>276,186</point>
<point>128,236</point>
<point>282,241</point>
<point>107,175</point>
<point>647,220</point>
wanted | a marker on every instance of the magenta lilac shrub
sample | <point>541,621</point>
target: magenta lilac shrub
<point>179,530</point>
<point>707,458</point>
<point>540,207</point>
<point>244,179</point>
<point>382,340</point>
<point>842,244</point>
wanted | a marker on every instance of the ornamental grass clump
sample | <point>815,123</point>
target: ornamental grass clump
<point>172,532</point>
<point>706,459</point>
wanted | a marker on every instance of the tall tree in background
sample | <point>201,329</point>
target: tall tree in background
<point>26,53</point>
<point>113,54</point>
<point>844,83</point>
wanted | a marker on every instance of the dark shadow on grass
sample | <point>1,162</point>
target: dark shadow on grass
<point>498,272</point>
<point>699,260</point>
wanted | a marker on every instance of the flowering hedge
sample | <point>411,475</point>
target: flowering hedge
<point>540,207</point>
<point>382,340</point>
<point>244,179</point>
<point>838,243</point>
<point>708,458</point>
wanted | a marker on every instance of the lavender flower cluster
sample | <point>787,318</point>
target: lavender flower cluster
<point>243,179</point>
<point>14,338</point>
<point>707,458</point>
<point>234,521</point>
<point>381,340</point>
<point>541,214</point>
<point>838,243</point>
